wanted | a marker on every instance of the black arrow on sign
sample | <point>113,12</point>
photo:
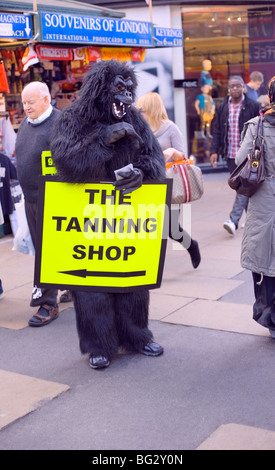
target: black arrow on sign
<point>85,273</point>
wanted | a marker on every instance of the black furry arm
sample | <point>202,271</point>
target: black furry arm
<point>79,149</point>
<point>82,151</point>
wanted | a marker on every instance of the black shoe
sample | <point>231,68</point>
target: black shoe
<point>98,362</point>
<point>1,290</point>
<point>152,349</point>
<point>194,252</point>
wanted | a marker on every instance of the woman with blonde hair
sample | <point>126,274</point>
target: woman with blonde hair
<point>167,132</point>
<point>170,139</point>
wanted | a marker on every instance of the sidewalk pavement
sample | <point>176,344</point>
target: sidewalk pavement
<point>211,389</point>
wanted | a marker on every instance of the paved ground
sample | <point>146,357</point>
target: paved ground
<point>211,389</point>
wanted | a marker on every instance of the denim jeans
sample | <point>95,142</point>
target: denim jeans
<point>240,203</point>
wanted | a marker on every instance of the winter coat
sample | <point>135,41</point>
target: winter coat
<point>258,244</point>
<point>219,142</point>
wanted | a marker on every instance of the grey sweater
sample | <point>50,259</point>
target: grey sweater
<point>169,135</point>
<point>32,140</point>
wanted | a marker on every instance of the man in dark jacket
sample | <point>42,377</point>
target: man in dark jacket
<point>233,112</point>
<point>34,136</point>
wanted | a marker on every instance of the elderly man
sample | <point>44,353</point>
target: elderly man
<point>230,117</point>
<point>34,136</point>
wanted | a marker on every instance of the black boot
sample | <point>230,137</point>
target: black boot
<point>98,362</point>
<point>152,349</point>
<point>194,253</point>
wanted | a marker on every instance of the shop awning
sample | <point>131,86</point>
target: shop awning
<point>80,24</point>
<point>20,20</point>
<point>64,6</point>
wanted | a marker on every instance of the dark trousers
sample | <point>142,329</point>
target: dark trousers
<point>264,306</point>
<point>176,232</point>
<point>42,295</point>
<point>241,202</point>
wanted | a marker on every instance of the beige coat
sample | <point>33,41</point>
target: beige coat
<point>258,244</point>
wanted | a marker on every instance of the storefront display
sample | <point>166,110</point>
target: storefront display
<point>58,47</point>
<point>62,68</point>
<point>218,43</point>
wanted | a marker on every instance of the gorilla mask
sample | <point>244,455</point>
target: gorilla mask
<point>122,96</point>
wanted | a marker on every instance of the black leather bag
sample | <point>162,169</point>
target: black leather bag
<point>248,176</point>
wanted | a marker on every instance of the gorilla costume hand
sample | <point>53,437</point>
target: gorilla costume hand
<point>130,180</point>
<point>120,130</point>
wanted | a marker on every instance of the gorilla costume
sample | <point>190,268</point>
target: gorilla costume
<point>99,133</point>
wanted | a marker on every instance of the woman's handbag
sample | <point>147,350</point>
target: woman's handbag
<point>187,181</point>
<point>247,177</point>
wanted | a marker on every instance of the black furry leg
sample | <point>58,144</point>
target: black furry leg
<point>132,310</point>
<point>95,320</point>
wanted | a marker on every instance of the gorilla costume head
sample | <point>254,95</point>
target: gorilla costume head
<point>102,131</point>
<point>108,89</point>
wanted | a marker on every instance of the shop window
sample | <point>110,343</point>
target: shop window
<point>236,40</point>
<point>260,23</point>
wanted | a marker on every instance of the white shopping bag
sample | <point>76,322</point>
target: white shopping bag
<point>22,241</point>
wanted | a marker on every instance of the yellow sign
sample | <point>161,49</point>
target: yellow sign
<point>93,237</point>
<point>48,167</point>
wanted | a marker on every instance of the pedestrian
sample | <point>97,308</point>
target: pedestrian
<point>8,174</point>
<point>230,118</point>
<point>170,139</point>
<point>1,290</point>
<point>258,243</point>
<point>255,81</point>
<point>1,223</point>
<point>98,134</point>
<point>33,137</point>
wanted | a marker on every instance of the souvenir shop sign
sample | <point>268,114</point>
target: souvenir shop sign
<point>54,53</point>
<point>67,28</point>
<point>93,237</point>
<point>89,53</point>
<point>15,26</point>
<point>168,37</point>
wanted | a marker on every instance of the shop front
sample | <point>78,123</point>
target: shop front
<point>221,38</point>
<point>25,56</point>
<point>221,41</point>
<point>50,42</point>
<point>57,42</point>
